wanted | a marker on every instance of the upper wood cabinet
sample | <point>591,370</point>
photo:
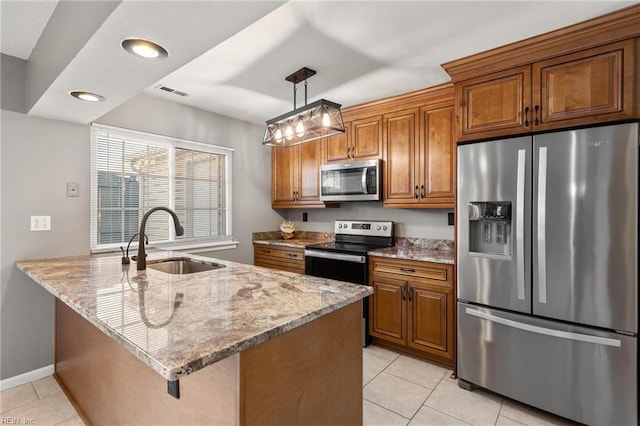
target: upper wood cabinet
<point>495,104</point>
<point>587,87</point>
<point>362,140</point>
<point>419,146</point>
<point>295,174</point>
<point>594,85</point>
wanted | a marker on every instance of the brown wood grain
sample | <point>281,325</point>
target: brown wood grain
<point>413,307</point>
<point>310,375</point>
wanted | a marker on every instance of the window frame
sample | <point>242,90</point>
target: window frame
<point>194,244</point>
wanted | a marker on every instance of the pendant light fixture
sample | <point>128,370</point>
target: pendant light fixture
<point>309,122</point>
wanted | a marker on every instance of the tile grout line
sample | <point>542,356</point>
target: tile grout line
<point>387,409</point>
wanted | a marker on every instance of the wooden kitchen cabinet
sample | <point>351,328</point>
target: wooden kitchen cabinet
<point>420,157</point>
<point>412,307</point>
<point>282,258</point>
<point>587,87</point>
<point>295,174</point>
<point>362,140</point>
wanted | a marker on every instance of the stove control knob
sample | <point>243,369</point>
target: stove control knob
<point>384,228</point>
<point>378,227</point>
<point>339,225</point>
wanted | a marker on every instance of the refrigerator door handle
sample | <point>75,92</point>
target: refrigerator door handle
<point>545,331</point>
<point>542,215</point>
<point>520,184</point>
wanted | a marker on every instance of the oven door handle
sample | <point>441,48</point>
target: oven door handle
<point>336,256</point>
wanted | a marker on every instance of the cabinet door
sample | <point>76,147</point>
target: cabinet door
<point>587,87</point>
<point>498,104</point>
<point>430,324</point>
<point>366,140</point>
<point>309,160</point>
<point>437,157</point>
<point>283,176</point>
<point>401,165</point>
<point>388,309</point>
<point>337,146</point>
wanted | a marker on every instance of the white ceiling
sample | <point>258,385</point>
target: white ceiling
<point>232,57</point>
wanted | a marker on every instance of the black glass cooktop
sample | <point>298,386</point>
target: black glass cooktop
<point>347,248</point>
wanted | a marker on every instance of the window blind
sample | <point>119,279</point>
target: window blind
<point>132,172</point>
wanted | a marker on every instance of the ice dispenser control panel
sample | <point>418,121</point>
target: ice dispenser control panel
<point>490,228</point>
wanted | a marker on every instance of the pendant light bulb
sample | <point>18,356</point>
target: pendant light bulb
<point>278,135</point>
<point>300,128</point>
<point>326,120</point>
<point>288,132</point>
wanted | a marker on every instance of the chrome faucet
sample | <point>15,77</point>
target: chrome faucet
<point>142,257</point>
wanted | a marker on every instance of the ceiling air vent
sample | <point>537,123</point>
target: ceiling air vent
<point>174,91</point>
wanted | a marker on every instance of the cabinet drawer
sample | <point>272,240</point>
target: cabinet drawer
<point>289,253</point>
<point>281,264</point>
<point>434,273</point>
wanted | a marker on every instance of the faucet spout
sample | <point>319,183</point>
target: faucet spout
<point>141,262</point>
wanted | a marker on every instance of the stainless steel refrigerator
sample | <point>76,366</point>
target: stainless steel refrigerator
<point>547,271</point>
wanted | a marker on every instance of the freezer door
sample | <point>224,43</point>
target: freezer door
<point>494,266</point>
<point>585,226</point>
<point>586,375</point>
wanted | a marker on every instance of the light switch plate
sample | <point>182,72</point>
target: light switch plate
<point>73,189</point>
<point>41,223</point>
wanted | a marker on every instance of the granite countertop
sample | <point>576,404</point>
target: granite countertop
<point>300,239</point>
<point>294,242</point>
<point>178,324</point>
<point>421,254</point>
<point>425,250</point>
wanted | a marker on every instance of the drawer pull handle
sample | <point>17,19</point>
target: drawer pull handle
<point>403,291</point>
<point>266,251</point>
<point>410,293</point>
<point>292,254</point>
<point>408,270</point>
<point>526,116</point>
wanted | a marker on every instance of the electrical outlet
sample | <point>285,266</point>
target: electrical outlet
<point>72,189</point>
<point>41,223</point>
<point>450,219</point>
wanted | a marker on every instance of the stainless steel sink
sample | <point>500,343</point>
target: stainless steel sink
<point>182,265</point>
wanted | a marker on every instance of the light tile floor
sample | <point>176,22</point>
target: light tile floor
<point>398,390</point>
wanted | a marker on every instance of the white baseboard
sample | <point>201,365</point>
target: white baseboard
<point>27,377</point>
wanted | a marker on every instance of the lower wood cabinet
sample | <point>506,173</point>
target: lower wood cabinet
<point>412,307</point>
<point>282,258</point>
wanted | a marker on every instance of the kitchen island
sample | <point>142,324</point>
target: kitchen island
<point>235,345</point>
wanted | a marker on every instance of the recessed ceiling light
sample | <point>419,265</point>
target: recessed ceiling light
<point>144,48</point>
<point>86,96</point>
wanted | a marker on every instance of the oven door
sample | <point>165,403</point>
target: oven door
<point>336,266</point>
<point>343,267</point>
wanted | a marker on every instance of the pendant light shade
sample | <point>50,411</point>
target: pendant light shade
<point>312,121</point>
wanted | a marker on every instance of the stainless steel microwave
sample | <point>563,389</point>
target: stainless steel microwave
<point>352,181</point>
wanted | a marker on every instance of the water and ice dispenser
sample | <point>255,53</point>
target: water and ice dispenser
<point>490,228</point>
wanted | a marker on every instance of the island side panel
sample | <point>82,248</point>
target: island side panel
<point>111,386</point>
<point>310,375</point>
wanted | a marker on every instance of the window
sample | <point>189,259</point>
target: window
<point>132,172</point>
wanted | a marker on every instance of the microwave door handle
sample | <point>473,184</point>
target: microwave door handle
<point>364,180</point>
